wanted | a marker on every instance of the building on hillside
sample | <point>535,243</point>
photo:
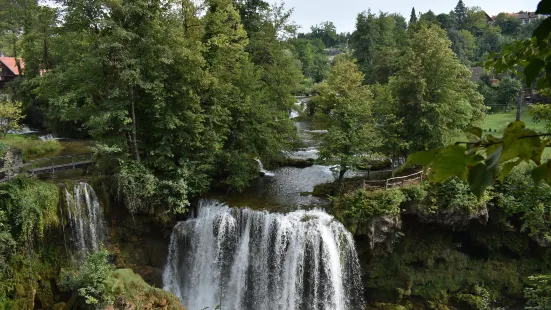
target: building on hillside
<point>525,17</point>
<point>332,52</point>
<point>476,73</point>
<point>489,19</point>
<point>9,69</point>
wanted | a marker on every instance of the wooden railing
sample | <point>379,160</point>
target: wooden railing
<point>48,165</point>
<point>401,181</point>
<point>393,182</point>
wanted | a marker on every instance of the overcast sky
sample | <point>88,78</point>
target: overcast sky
<point>343,12</point>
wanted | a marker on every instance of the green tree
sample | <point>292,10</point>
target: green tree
<point>434,93</point>
<point>447,21</point>
<point>490,42</point>
<point>464,46</point>
<point>313,58</point>
<point>412,17</point>
<point>508,24</point>
<point>429,18</point>
<point>10,116</point>
<point>508,92</point>
<point>326,32</point>
<point>347,105</point>
<point>92,280</point>
<point>377,42</point>
<point>460,13</point>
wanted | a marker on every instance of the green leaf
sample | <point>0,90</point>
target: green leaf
<point>522,143</point>
<point>423,158</point>
<point>542,172</point>
<point>532,70</point>
<point>483,175</point>
<point>480,178</point>
<point>542,32</point>
<point>495,144</point>
<point>507,168</point>
<point>449,162</point>
<point>475,131</point>
<point>544,7</point>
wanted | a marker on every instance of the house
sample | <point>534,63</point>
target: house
<point>476,73</point>
<point>9,69</point>
<point>525,17</point>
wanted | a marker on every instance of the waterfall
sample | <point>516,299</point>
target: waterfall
<point>86,221</point>
<point>262,170</point>
<point>251,260</point>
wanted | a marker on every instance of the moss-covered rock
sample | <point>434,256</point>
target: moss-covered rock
<point>134,293</point>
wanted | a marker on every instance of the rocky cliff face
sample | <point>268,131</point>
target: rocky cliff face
<point>448,261</point>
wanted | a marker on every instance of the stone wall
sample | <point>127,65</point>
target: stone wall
<point>12,158</point>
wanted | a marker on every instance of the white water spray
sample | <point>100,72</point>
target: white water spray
<point>250,260</point>
<point>86,221</point>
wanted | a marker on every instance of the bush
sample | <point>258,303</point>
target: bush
<point>519,196</point>
<point>31,205</point>
<point>361,206</point>
<point>538,292</point>
<point>93,280</point>
<point>452,195</point>
<point>414,193</point>
<point>135,185</point>
<point>35,148</point>
<point>3,148</point>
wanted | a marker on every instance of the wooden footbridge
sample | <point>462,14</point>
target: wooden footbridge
<point>48,166</point>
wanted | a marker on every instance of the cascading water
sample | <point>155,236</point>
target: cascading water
<point>251,260</point>
<point>262,170</point>
<point>86,221</point>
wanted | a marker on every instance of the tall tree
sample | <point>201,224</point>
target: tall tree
<point>412,17</point>
<point>376,42</point>
<point>347,104</point>
<point>433,91</point>
<point>460,13</point>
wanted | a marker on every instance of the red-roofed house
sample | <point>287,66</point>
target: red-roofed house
<point>9,69</point>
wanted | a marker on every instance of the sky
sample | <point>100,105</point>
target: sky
<point>343,12</point>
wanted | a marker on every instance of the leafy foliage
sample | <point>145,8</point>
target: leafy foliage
<point>31,206</point>
<point>433,92</point>
<point>10,116</point>
<point>538,292</point>
<point>361,206</point>
<point>347,105</point>
<point>93,280</point>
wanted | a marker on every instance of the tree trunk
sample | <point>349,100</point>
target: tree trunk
<point>519,108</point>
<point>134,139</point>
<point>342,172</point>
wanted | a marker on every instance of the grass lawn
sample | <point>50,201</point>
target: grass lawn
<point>499,121</point>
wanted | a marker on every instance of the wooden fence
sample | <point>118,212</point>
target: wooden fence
<point>394,182</point>
<point>48,166</point>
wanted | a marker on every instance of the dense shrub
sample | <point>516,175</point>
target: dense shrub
<point>93,280</point>
<point>362,205</point>
<point>35,148</point>
<point>519,196</point>
<point>452,195</point>
<point>538,292</point>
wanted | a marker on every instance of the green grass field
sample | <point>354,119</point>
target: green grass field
<point>500,121</point>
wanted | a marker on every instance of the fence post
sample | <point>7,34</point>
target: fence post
<point>53,168</point>
<point>386,184</point>
<point>73,161</point>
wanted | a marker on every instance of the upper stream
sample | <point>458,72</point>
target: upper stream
<point>288,188</point>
